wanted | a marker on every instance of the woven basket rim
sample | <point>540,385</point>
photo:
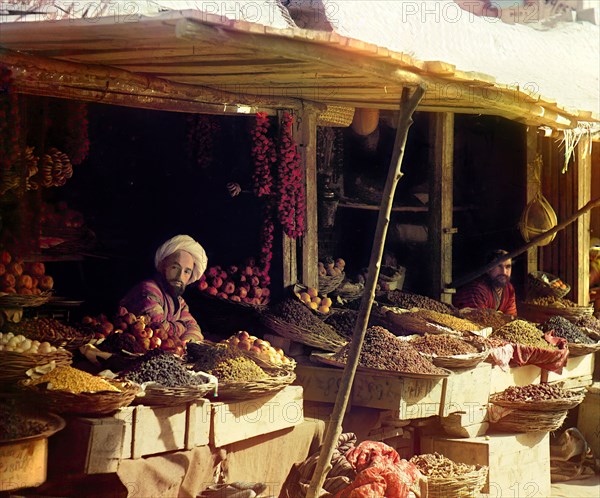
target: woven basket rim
<point>530,421</point>
<point>155,394</point>
<point>536,287</point>
<point>329,283</point>
<point>99,403</point>
<point>577,349</point>
<point>539,406</point>
<point>25,300</point>
<point>467,483</point>
<point>305,336</point>
<point>15,365</point>
<point>277,380</point>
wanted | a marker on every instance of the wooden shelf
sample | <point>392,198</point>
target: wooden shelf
<point>407,209</point>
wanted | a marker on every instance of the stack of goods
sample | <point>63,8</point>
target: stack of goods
<point>24,279</point>
<point>531,408</point>
<point>578,341</point>
<point>381,350</point>
<point>239,376</point>
<point>48,330</point>
<point>247,284</point>
<point>407,300</point>
<point>310,297</point>
<point>450,351</point>
<point>426,321</point>
<point>486,317</point>
<point>531,346</point>
<point>65,389</point>
<point>131,333</point>
<point>293,320</point>
<point>448,478</point>
<point>166,380</point>
<point>331,274</point>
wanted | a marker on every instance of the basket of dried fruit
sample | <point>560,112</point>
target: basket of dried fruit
<point>46,329</point>
<point>449,351</point>
<point>70,390</point>
<point>153,394</point>
<point>448,478</point>
<point>12,300</point>
<point>517,420</point>
<point>578,342</point>
<point>542,284</point>
<point>537,397</point>
<point>321,337</point>
<point>331,274</point>
<point>274,380</point>
<point>18,354</point>
<point>542,308</point>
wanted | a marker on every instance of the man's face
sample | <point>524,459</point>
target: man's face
<point>500,275</point>
<point>177,271</point>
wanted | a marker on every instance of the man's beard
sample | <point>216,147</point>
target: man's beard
<point>177,288</point>
<point>500,281</point>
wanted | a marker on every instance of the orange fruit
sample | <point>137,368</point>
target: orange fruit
<point>312,292</point>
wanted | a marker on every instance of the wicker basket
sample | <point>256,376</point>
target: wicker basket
<point>350,292</point>
<point>328,283</point>
<point>24,301</point>
<point>82,239</point>
<point>539,406</point>
<point>537,287</point>
<point>332,342</point>
<point>277,380</point>
<point>470,360</point>
<point>15,365</point>
<point>530,421</point>
<point>540,314</point>
<point>157,395</point>
<point>336,116</point>
<point>462,486</point>
<point>96,403</point>
<point>577,349</point>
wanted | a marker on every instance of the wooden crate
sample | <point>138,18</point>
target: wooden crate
<point>519,464</point>
<point>576,367</point>
<point>96,445</point>
<point>241,420</point>
<point>517,376</point>
<point>466,390</point>
<point>409,398</point>
<point>588,419</point>
<point>23,464</point>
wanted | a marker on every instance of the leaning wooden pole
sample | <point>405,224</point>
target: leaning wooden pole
<point>533,242</point>
<point>334,426</point>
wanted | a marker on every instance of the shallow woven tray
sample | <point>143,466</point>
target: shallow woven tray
<point>328,283</point>
<point>332,343</point>
<point>96,403</point>
<point>530,421</point>
<point>463,486</point>
<point>24,301</point>
<point>277,380</point>
<point>541,405</point>
<point>53,422</point>
<point>577,349</point>
<point>232,305</point>
<point>13,366</point>
<point>536,287</point>
<point>539,314</point>
<point>155,394</point>
<point>468,360</point>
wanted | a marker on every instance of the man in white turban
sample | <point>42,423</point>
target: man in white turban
<point>179,262</point>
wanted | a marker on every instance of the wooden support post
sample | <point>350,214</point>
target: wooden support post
<point>534,184</point>
<point>441,203</point>
<point>306,139</point>
<point>581,249</point>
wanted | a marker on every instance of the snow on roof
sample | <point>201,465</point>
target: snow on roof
<point>559,63</point>
<point>266,12</point>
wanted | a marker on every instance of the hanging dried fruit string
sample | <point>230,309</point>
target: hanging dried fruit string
<point>10,127</point>
<point>77,143</point>
<point>200,139</point>
<point>264,156</point>
<point>290,183</point>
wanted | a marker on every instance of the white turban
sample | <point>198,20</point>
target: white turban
<point>187,244</point>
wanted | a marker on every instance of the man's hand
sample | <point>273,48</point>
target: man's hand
<point>234,189</point>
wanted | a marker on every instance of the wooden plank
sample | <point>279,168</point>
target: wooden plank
<point>242,420</point>
<point>441,203</point>
<point>583,169</point>
<point>519,464</point>
<point>577,366</point>
<point>466,424</point>
<point>517,376</point>
<point>466,389</point>
<point>307,140</point>
<point>156,430</point>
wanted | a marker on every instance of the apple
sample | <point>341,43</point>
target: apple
<point>242,292</point>
<point>122,311</point>
<point>212,272</point>
<point>86,320</point>
<point>107,328</point>
<point>167,344</point>
<point>248,271</point>
<point>155,341</point>
<point>144,342</point>
<point>212,291</point>
<point>137,327</point>
<point>37,269</point>
<point>235,299</point>
<point>2,269</point>
<point>254,281</point>
<point>255,349</point>
<point>222,295</point>
<point>229,287</point>
<point>217,282</point>
<point>233,269</point>
<point>203,285</point>
<point>244,345</point>
<point>46,282</point>
<point>243,335</point>
<point>15,268</point>
<point>5,257</point>
<point>129,318</point>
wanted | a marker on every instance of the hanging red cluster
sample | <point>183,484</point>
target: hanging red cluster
<point>290,186</point>
<point>77,143</point>
<point>263,153</point>
<point>201,137</point>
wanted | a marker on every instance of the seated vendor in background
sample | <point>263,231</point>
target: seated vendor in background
<point>492,290</point>
<point>179,262</point>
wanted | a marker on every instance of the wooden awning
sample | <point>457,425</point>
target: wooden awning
<point>197,62</point>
